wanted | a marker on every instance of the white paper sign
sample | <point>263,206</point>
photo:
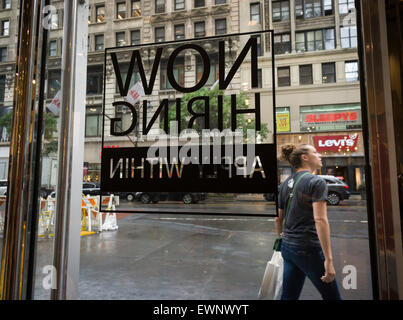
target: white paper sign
<point>135,93</point>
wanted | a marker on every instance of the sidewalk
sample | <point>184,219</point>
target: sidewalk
<point>191,257</point>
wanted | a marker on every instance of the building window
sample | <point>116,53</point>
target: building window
<point>121,10</point>
<point>54,83</point>
<point>259,45</point>
<point>305,74</point>
<point>122,112</point>
<point>220,1</point>
<point>283,76</point>
<point>313,8</point>
<point>179,31</point>
<point>5,27</point>
<point>220,26</point>
<point>351,70</point>
<point>328,72</point>
<point>52,48</point>
<point>199,3</point>
<point>120,39</point>
<point>100,13</point>
<point>255,12</point>
<point>135,37</point>
<point>179,4</point>
<point>3,54</point>
<point>282,43</point>
<point>93,121</point>
<point>89,44</point>
<point>213,77</point>
<point>2,87</point>
<point>6,4</point>
<point>348,37</point>
<point>94,79</point>
<point>315,40</point>
<point>89,14</point>
<point>54,21</point>
<point>200,29</point>
<point>281,10</point>
<point>346,5</point>
<point>136,8</point>
<point>135,77</point>
<point>159,34</point>
<point>178,72</point>
<point>259,78</point>
<point>99,42</point>
<point>159,6</point>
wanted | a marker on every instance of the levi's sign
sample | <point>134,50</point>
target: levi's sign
<point>193,116</point>
<point>336,143</point>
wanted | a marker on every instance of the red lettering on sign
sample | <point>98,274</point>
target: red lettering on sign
<point>328,117</point>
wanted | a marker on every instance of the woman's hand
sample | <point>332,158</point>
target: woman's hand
<point>278,222</point>
<point>330,273</point>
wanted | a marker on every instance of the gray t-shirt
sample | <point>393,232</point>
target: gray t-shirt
<point>299,229</point>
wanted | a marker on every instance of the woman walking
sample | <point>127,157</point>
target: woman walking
<point>305,248</point>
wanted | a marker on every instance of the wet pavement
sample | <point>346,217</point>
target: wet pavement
<point>178,256</point>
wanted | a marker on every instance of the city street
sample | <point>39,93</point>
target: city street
<point>184,256</point>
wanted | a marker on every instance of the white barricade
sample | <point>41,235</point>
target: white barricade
<point>2,211</point>
<point>92,217</point>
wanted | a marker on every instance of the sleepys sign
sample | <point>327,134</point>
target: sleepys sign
<point>218,158</point>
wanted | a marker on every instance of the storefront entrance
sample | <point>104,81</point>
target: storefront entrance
<point>130,243</point>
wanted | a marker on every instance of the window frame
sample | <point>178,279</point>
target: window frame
<point>281,11</point>
<point>133,10</point>
<point>159,28</point>
<point>132,32</point>
<point>313,5</point>
<point>196,33</point>
<point>52,41</point>
<point>3,57</point>
<point>197,5</point>
<point>334,72</point>
<point>281,84</point>
<point>97,115</point>
<point>258,14</point>
<point>3,29</point>
<point>310,75</point>
<point>118,16</point>
<point>118,33</point>
<point>349,37</point>
<point>99,36</point>
<point>159,6</point>
<point>95,71</point>
<point>176,5</point>
<point>346,4</point>
<point>357,72</point>
<point>276,44</point>
<point>182,36</point>
<point>322,41</point>
<point>225,25</point>
<point>97,7</point>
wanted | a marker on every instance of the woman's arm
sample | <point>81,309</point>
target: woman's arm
<point>323,230</point>
<point>279,222</point>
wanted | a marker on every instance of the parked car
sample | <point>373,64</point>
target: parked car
<point>154,197</point>
<point>3,187</point>
<point>337,191</point>
<point>91,188</point>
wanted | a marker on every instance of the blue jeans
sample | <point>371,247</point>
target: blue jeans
<point>301,262</point>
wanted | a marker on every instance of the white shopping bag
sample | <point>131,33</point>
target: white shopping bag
<point>272,282</point>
